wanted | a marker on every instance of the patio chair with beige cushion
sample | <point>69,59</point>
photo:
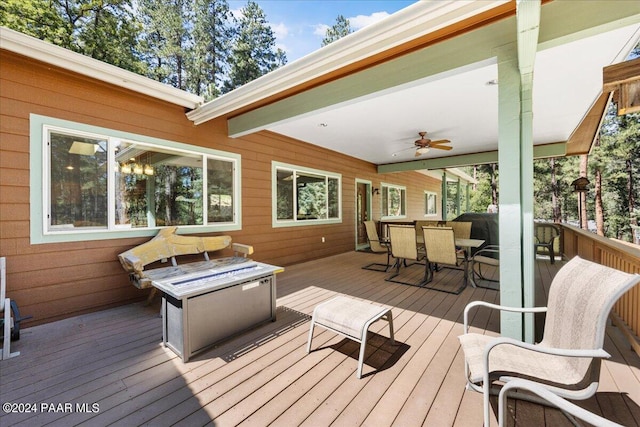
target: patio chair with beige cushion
<point>546,235</point>
<point>567,360</point>
<point>418,226</point>
<point>461,229</point>
<point>378,246</point>
<point>405,248</point>
<point>441,250</point>
<point>5,311</point>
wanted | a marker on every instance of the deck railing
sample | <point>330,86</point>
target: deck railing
<point>616,254</point>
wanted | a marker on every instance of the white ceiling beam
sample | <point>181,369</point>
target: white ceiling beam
<point>557,149</point>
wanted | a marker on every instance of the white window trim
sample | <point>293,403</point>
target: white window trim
<point>39,178</point>
<point>275,223</point>
<point>400,187</point>
<point>426,194</point>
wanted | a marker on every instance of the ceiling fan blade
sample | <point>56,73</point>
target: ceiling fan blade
<point>442,147</point>
<point>440,141</point>
<point>418,154</point>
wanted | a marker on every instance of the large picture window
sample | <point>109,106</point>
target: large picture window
<point>305,196</point>
<point>101,181</point>
<point>394,201</point>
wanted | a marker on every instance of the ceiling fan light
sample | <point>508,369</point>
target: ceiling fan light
<point>423,150</point>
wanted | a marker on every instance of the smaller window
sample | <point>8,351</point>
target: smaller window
<point>394,201</point>
<point>430,203</point>
<point>305,196</point>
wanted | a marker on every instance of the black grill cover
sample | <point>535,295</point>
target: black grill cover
<point>484,226</point>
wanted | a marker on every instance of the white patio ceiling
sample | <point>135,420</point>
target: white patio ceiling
<point>462,106</point>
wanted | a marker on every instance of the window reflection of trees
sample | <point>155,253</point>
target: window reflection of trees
<point>316,197</point>
<point>78,181</point>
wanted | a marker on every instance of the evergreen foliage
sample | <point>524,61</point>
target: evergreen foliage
<point>194,45</point>
<point>341,28</point>
<point>253,52</point>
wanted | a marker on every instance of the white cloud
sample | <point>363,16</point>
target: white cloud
<point>320,29</point>
<point>361,21</point>
<point>281,31</point>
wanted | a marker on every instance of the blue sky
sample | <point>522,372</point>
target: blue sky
<point>299,25</point>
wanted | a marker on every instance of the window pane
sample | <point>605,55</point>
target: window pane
<point>311,196</point>
<point>334,198</point>
<point>78,182</point>
<point>285,194</point>
<point>220,190</point>
<point>157,187</point>
<point>385,201</point>
<point>394,201</point>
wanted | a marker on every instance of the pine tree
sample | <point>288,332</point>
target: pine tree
<point>253,53</point>
<point>37,18</point>
<point>341,28</point>
<point>105,30</point>
<point>212,35</point>
<point>166,39</point>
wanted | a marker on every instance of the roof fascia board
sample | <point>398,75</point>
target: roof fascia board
<point>472,49</point>
<point>48,53</point>
<point>557,149</point>
<point>406,25</point>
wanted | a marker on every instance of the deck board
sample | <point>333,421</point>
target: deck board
<point>265,377</point>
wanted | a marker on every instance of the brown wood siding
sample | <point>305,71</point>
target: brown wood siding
<point>54,281</point>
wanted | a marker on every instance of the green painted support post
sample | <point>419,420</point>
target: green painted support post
<point>444,196</point>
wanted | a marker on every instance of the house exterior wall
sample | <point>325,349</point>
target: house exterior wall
<point>56,280</point>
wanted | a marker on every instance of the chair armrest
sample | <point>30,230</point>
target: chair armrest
<point>242,249</point>
<point>566,352</point>
<point>494,249</point>
<point>497,307</point>
<point>599,352</point>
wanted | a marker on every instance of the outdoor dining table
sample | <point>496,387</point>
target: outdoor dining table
<point>469,243</point>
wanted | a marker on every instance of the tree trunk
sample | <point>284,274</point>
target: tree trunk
<point>494,185</point>
<point>582,205</point>
<point>599,207</point>
<point>630,192</point>
<point>555,192</point>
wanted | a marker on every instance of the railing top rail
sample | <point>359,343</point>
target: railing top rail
<point>630,249</point>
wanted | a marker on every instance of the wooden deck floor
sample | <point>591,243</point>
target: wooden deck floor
<point>114,359</point>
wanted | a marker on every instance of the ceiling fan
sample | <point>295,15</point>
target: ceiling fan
<point>425,144</point>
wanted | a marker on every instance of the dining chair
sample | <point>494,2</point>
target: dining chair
<point>567,360</point>
<point>405,248</point>
<point>461,229</point>
<point>483,262</point>
<point>377,246</point>
<point>418,227</point>
<point>441,250</point>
